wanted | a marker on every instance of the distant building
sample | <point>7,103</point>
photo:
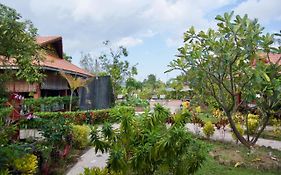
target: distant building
<point>53,84</point>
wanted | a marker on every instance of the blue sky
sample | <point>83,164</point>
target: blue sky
<point>151,29</point>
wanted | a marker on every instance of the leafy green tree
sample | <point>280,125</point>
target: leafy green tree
<point>176,84</point>
<point>145,145</point>
<point>92,65</point>
<point>67,57</point>
<point>111,63</point>
<point>220,64</point>
<point>132,85</point>
<point>18,45</point>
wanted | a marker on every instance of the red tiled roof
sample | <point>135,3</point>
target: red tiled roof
<point>41,40</point>
<point>53,62</point>
<point>61,64</point>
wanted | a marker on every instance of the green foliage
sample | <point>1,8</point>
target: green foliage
<point>111,63</point>
<point>67,57</point>
<point>240,130</point>
<point>56,131</point>
<point>80,136</point>
<point>88,117</point>
<point>253,123</point>
<point>219,64</point>
<point>98,171</point>
<point>208,129</point>
<point>133,86</point>
<point>277,126</point>
<point>48,103</point>
<point>134,102</point>
<point>145,145</point>
<point>27,164</point>
<point>17,38</point>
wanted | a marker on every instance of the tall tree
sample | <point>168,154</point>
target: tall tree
<point>110,63</point>
<point>219,63</point>
<point>89,63</point>
<point>18,45</point>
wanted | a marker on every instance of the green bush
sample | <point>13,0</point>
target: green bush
<point>98,171</point>
<point>240,130</point>
<point>208,129</point>
<point>253,123</point>
<point>48,103</point>
<point>145,145</point>
<point>134,102</point>
<point>89,117</point>
<point>27,164</point>
<point>80,135</point>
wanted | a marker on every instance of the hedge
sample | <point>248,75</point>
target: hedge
<point>48,103</point>
<point>88,117</point>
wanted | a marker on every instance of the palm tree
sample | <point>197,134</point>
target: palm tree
<point>74,83</point>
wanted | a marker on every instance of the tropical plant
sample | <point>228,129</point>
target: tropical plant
<point>145,145</point>
<point>240,130</point>
<point>80,136</point>
<point>98,171</point>
<point>253,123</point>
<point>27,165</point>
<point>226,64</point>
<point>74,83</point>
<point>56,133</point>
<point>208,129</point>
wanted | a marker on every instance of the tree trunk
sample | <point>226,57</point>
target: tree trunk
<point>70,101</point>
<point>255,139</point>
<point>236,132</point>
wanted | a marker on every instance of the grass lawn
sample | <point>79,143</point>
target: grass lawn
<point>211,166</point>
<point>223,157</point>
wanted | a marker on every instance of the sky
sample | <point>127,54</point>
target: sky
<point>151,30</point>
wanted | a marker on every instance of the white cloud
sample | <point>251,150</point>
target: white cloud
<point>129,42</point>
<point>265,10</point>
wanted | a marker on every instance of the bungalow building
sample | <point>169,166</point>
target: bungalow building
<point>53,84</point>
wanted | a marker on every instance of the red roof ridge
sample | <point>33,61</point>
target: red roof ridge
<point>42,40</point>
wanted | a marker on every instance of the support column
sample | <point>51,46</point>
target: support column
<point>37,93</point>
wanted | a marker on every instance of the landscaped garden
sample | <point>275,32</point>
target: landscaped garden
<point>229,122</point>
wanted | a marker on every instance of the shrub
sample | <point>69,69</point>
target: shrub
<point>198,109</point>
<point>48,103</point>
<point>238,118</point>
<point>98,171</point>
<point>145,145</point>
<point>240,130</point>
<point>276,126</point>
<point>27,164</point>
<point>208,129</point>
<point>80,136</point>
<point>253,123</point>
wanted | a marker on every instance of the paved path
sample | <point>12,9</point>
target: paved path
<point>228,138</point>
<point>88,160</point>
